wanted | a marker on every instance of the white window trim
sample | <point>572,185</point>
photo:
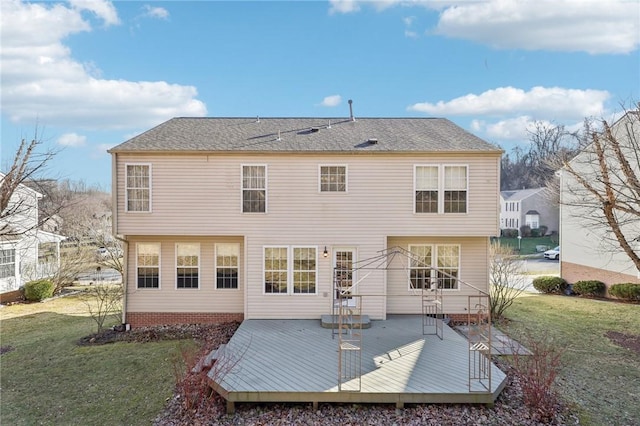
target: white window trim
<point>266,187</point>
<point>126,187</point>
<point>441,188</point>
<point>434,264</point>
<point>346,178</point>
<point>215,267</point>
<point>159,266</point>
<point>175,267</point>
<point>441,184</point>
<point>290,270</point>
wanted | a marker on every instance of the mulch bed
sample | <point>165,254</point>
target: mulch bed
<point>629,341</point>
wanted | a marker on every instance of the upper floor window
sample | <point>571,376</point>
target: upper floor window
<point>434,263</point>
<point>7,263</point>
<point>333,178</point>
<point>148,265</point>
<point>138,187</point>
<point>426,182</point>
<point>227,264</point>
<point>455,189</point>
<point>187,265</point>
<point>440,189</point>
<point>254,189</point>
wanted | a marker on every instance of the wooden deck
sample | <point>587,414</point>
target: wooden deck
<point>297,361</point>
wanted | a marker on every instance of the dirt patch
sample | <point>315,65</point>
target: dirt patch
<point>5,349</point>
<point>628,341</point>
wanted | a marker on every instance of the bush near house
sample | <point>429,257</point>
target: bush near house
<point>591,288</point>
<point>627,291</point>
<point>509,233</point>
<point>550,284</point>
<point>38,290</point>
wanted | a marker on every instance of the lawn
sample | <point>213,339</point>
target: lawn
<point>600,377</point>
<point>528,245</point>
<point>48,379</point>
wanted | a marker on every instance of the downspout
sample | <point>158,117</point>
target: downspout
<point>114,232</point>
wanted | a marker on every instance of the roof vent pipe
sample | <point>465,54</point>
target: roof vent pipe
<point>279,138</point>
<point>351,117</point>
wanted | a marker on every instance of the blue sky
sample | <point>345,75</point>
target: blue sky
<point>92,74</point>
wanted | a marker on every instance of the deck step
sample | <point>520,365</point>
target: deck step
<point>331,321</point>
<point>208,360</point>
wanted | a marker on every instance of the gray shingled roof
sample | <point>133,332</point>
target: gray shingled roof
<point>519,194</point>
<point>306,135</point>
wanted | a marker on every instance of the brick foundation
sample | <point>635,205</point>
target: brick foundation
<point>11,296</point>
<point>573,272</point>
<point>147,319</point>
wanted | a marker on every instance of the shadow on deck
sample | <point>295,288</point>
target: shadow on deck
<point>298,361</point>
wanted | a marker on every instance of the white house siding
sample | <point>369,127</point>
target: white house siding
<point>474,270</point>
<point>589,251</point>
<point>168,298</point>
<point>200,195</point>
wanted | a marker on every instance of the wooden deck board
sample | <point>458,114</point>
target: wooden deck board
<point>297,360</point>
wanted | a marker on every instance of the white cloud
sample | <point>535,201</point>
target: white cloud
<point>155,12</point>
<point>101,8</point>
<point>591,26</point>
<point>556,102</point>
<point>331,101</point>
<point>41,79</point>
<point>72,139</point>
<point>343,6</point>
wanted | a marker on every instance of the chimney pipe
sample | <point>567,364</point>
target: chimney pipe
<point>351,117</point>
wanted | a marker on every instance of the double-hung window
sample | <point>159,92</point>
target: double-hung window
<point>7,263</point>
<point>440,189</point>
<point>254,189</point>
<point>333,178</point>
<point>227,263</point>
<point>455,189</point>
<point>426,192</point>
<point>434,263</point>
<point>290,270</point>
<point>187,265</point>
<point>148,265</point>
<point>138,187</point>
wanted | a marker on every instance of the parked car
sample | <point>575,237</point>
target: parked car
<point>553,254</point>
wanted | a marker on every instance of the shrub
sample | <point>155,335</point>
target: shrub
<point>589,288</point>
<point>38,290</point>
<point>535,233</point>
<point>525,231</point>
<point>543,230</point>
<point>627,291</point>
<point>550,284</point>
<point>510,233</point>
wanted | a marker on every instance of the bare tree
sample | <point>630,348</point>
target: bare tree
<point>507,280</point>
<point>16,205</point>
<point>603,184</point>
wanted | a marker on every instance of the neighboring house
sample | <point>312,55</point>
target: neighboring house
<point>26,252</point>
<point>232,218</point>
<point>589,250</point>
<point>532,207</point>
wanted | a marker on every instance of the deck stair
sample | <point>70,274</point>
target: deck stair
<point>207,361</point>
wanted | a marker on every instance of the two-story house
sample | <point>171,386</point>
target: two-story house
<point>533,207</point>
<point>590,250</point>
<point>26,252</point>
<point>232,218</point>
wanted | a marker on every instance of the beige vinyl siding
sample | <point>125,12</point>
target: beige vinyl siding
<point>474,270</point>
<point>168,298</point>
<point>201,195</point>
<point>198,198</point>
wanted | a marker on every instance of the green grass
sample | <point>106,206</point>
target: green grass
<point>602,379</point>
<point>528,245</point>
<point>48,379</point>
